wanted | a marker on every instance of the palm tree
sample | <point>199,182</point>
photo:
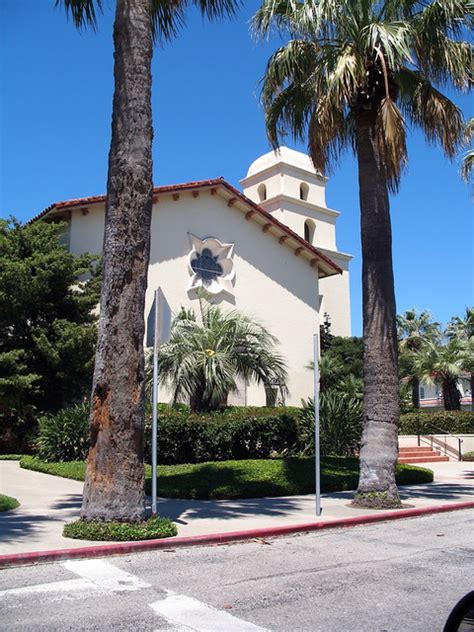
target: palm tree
<point>204,357</point>
<point>467,161</point>
<point>348,76</point>
<point>443,364</point>
<point>463,329</point>
<point>415,331</point>
<point>114,487</point>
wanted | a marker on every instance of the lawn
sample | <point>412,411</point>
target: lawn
<point>245,479</point>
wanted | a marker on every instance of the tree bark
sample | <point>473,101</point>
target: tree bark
<point>451,394</point>
<point>114,487</point>
<point>415,386</point>
<point>379,448</point>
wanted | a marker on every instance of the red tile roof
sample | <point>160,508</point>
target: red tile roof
<point>218,183</point>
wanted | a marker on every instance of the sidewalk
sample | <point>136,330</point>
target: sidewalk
<point>48,502</point>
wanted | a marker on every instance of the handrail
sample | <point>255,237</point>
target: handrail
<point>449,434</point>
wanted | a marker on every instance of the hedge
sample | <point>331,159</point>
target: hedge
<point>450,421</point>
<point>234,433</point>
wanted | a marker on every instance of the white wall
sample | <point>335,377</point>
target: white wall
<point>271,284</point>
<point>335,293</point>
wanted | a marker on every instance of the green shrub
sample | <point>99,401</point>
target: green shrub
<point>233,433</point>
<point>468,456</point>
<point>11,457</point>
<point>450,421</point>
<point>340,425</point>
<point>7,503</point>
<point>150,529</point>
<point>64,436</point>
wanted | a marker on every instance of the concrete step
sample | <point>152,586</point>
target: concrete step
<point>420,453</point>
<point>418,448</point>
<point>422,459</point>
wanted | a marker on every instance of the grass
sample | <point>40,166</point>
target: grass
<point>245,479</point>
<point>11,457</point>
<point>7,503</point>
<point>150,529</point>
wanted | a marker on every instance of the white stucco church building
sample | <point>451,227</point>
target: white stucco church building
<point>269,251</point>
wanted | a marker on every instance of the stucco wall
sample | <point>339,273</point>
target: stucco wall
<point>335,292</point>
<point>271,284</point>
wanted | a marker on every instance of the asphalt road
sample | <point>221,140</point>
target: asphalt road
<point>399,576</point>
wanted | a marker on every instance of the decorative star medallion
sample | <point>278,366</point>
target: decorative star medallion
<point>210,265</point>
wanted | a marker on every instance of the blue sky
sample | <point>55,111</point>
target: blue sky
<point>56,97</point>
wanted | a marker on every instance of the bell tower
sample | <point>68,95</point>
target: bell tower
<point>286,185</point>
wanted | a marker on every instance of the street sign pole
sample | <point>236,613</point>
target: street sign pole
<point>154,426</point>
<point>317,460</point>
<point>161,335</point>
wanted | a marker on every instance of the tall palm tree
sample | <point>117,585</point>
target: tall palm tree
<point>415,331</point>
<point>463,329</point>
<point>114,487</point>
<point>205,356</point>
<point>348,76</point>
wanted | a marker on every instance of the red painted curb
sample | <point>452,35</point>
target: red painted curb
<point>103,550</point>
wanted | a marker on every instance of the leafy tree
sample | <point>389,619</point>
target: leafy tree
<point>47,329</point>
<point>325,334</point>
<point>415,332</point>
<point>349,75</point>
<point>204,357</point>
<point>349,353</point>
<point>114,486</point>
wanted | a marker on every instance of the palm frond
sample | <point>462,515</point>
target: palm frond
<point>393,38</point>
<point>82,12</point>
<point>440,119</point>
<point>391,138</point>
<point>467,165</point>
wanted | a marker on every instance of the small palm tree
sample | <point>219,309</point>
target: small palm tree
<point>463,329</point>
<point>415,332</point>
<point>114,486</point>
<point>204,357</point>
<point>444,364</point>
<point>349,76</point>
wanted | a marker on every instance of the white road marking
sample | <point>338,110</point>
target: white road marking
<point>69,585</point>
<point>105,575</point>
<point>193,615</point>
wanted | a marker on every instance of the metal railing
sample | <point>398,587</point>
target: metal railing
<point>444,432</point>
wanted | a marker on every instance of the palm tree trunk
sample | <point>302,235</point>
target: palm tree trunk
<point>415,386</point>
<point>451,394</point>
<point>379,449</point>
<point>114,487</point>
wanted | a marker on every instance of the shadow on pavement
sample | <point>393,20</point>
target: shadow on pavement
<point>439,491</point>
<point>16,526</point>
<point>225,509</point>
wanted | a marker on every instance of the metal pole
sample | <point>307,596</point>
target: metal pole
<point>317,460</point>
<point>154,425</point>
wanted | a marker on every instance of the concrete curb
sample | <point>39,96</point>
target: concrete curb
<point>103,550</point>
